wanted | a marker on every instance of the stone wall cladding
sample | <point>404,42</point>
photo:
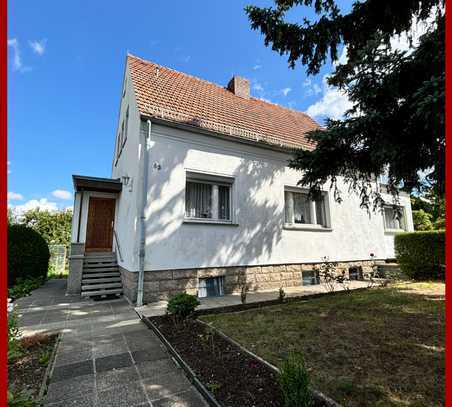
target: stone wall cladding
<point>162,284</point>
<point>129,284</point>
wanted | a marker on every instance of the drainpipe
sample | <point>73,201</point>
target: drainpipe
<point>147,139</point>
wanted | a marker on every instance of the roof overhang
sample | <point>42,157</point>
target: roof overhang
<point>227,137</point>
<point>83,183</point>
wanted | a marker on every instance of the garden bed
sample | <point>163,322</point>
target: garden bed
<point>232,376</point>
<point>28,370</point>
<point>382,347</point>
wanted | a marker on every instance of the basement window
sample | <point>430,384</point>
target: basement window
<point>310,277</point>
<point>211,287</point>
<point>355,273</point>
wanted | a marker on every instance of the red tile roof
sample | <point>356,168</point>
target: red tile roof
<point>174,96</point>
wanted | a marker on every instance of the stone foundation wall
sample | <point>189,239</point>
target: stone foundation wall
<point>162,284</point>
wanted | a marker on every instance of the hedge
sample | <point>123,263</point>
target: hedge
<point>28,254</point>
<point>421,255</point>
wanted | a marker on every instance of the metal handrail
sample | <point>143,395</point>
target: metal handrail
<point>117,245</point>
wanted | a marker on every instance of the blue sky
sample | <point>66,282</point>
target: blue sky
<point>65,67</point>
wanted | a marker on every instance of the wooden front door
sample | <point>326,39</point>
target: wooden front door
<point>99,228</point>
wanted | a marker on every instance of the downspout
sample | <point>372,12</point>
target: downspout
<point>142,252</point>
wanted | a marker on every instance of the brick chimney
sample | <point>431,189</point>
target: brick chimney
<point>239,86</point>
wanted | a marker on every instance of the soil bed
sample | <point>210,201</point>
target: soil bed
<point>26,373</point>
<point>232,376</point>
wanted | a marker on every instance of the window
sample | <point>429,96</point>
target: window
<point>211,287</point>
<point>299,209</point>
<point>122,135</point>
<point>394,218</point>
<point>310,277</point>
<point>208,199</point>
<point>355,273</point>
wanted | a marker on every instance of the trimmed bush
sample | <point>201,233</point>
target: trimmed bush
<point>421,255</point>
<point>182,305</point>
<point>28,254</point>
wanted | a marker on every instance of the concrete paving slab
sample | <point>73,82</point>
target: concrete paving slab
<point>116,377</point>
<point>72,370</point>
<point>126,395</point>
<point>113,362</point>
<point>71,389</point>
<point>190,398</point>
<point>162,386</point>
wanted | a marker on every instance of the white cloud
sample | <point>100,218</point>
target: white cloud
<point>257,67</point>
<point>258,87</point>
<point>17,58</point>
<point>14,196</point>
<point>38,47</point>
<point>62,194</point>
<point>311,87</point>
<point>42,204</point>
<point>285,91</point>
<point>9,164</point>
<point>333,104</point>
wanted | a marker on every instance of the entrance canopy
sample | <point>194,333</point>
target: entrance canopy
<point>83,183</point>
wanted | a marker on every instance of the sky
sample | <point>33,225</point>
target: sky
<point>65,66</point>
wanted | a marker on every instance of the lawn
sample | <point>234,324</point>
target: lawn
<point>379,347</point>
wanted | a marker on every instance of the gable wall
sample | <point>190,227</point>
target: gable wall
<point>127,215</point>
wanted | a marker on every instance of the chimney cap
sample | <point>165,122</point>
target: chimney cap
<point>239,86</point>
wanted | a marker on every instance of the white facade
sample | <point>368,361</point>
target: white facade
<point>257,234</point>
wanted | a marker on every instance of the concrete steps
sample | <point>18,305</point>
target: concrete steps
<point>101,276</point>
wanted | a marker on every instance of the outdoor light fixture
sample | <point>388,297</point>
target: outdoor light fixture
<point>125,179</point>
<point>157,166</point>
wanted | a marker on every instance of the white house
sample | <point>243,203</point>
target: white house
<point>201,192</point>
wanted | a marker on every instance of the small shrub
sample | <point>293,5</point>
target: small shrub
<point>28,254</point>
<point>327,273</point>
<point>21,399</point>
<point>421,255</point>
<point>294,382</point>
<point>182,305</point>
<point>15,349</point>
<point>281,295</point>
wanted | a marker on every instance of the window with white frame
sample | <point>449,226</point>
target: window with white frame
<point>394,218</point>
<point>208,199</point>
<point>299,209</point>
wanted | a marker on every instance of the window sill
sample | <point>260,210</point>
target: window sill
<point>209,222</point>
<point>308,227</point>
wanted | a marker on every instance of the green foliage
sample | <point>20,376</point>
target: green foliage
<point>396,123</point>
<point>28,254</point>
<point>421,255</point>
<point>422,220</point>
<point>182,305</point>
<point>15,349</point>
<point>54,227</point>
<point>24,286</point>
<point>294,382</point>
<point>44,358</point>
<point>21,399</point>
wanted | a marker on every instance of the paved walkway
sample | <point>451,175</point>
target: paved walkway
<point>107,356</point>
<point>159,308</point>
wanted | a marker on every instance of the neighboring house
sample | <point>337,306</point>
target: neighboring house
<point>201,193</point>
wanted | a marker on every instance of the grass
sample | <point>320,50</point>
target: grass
<point>379,347</point>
